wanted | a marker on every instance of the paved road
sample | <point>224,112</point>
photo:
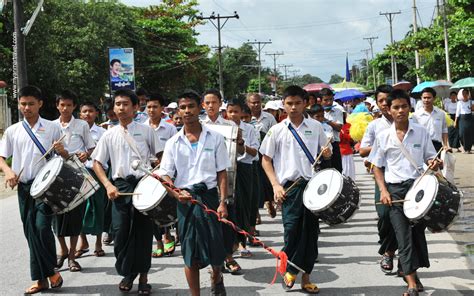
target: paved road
<point>348,263</point>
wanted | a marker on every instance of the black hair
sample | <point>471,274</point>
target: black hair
<point>141,92</point>
<point>113,61</point>
<point>31,91</point>
<point>397,94</point>
<point>67,95</point>
<point>123,92</point>
<point>317,108</point>
<point>236,102</point>
<point>453,93</point>
<point>157,97</point>
<point>89,103</point>
<point>190,94</point>
<point>108,105</point>
<point>246,109</point>
<point>326,92</point>
<point>295,91</point>
<point>383,88</point>
<point>429,90</point>
<point>213,91</point>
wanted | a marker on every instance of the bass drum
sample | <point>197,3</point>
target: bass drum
<point>433,201</point>
<point>331,196</point>
<point>151,199</point>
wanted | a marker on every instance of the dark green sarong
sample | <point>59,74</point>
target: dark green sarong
<point>228,233</point>
<point>70,223</point>
<point>133,232</point>
<point>300,230</point>
<point>387,238</point>
<point>93,221</point>
<point>257,189</point>
<point>200,233</point>
<point>412,246</point>
<point>36,217</point>
<point>243,198</point>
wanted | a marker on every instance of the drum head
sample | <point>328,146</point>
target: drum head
<point>151,192</point>
<point>421,197</point>
<point>46,176</point>
<point>322,190</point>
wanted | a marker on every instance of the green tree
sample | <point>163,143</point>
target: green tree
<point>335,78</point>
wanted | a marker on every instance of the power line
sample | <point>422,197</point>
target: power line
<point>390,16</point>
<point>371,42</point>
<point>260,46</point>
<point>275,74</point>
<point>286,69</point>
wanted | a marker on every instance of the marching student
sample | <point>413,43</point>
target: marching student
<point>132,231</point>
<point>387,239</point>
<point>335,118</point>
<point>26,142</point>
<point>288,150</point>
<point>198,158</point>
<point>402,150</point>
<point>247,147</point>
<point>93,221</point>
<point>78,141</point>
<point>163,132</point>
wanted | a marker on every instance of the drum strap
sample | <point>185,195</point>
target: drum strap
<point>404,151</point>
<point>302,144</point>
<point>131,142</point>
<point>35,140</point>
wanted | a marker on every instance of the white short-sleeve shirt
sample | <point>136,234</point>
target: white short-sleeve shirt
<point>337,116</point>
<point>17,143</point>
<point>264,122</point>
<point>193,166</point>
<point>78,136</point>
<point>463,107</point>
<point>450,106</point>
<point>289,160</point>
<point>163,132</point>
<point>113,146</point>
<point>373,129</point>
<point>434,122</point>
<point>250,136</point>
<point>386,152</point>
<point>96,134</point>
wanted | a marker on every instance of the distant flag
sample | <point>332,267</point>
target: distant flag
<point>348,73</point>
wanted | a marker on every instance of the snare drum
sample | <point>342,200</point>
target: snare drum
<point>331,196</point>
<point>151,199</point>
<point>63,184</point>
<point>434,201</point>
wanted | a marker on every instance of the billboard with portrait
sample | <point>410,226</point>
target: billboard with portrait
<point>121,68</point>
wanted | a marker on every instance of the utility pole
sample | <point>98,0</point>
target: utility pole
<point>20,78</point>
<point>366,51</point>
<point>371,42</point>
<point>286,69</point>
<point>390,16</point>
<point>446,48</point>
<point>294,73</point>
<point>260,46</point>
<point>417,56</point>
<point>219,27</point>
<point>274,56</point>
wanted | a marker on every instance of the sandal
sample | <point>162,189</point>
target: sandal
<point>107,240</point>
<point>233,267</point>
<point>74,265</point>
<point>37,287</point>
<point>411,292</point>
<point>310,288</point>
<point>419,285</point>
<point>99,253</point>
<point>244,253</point>
<point>386,264</point>
<point>126,284</point>
<point>258,220</point>
<point>169,248</point>
<point>157,253</point>
<point>270,209</point>
<point>289,280</point>
<point>60,262</point>
<point>144,289</point>
<point>219,288</point>
<point>80,252</point>
<point>56,281</point>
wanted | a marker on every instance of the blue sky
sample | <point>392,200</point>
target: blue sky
<point>314,35</point>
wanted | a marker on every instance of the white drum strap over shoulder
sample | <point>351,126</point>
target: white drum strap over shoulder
<point>404,150</point>
<point>131,142</point>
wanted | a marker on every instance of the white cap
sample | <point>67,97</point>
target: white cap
<point>279,104</point>
<point>173,105</point>
<point>271,105</point>
<point>223,107</point>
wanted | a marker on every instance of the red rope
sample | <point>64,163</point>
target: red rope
<point>281,256</point>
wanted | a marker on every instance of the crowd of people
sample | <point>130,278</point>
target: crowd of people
<point>275,149</point>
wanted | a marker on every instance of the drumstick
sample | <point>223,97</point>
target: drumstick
<point>394,201</point>
<point>293,185</point>
<point>49,150</point>
<point>128,193</point>
<point>322,150</point>
<point>429,167</point>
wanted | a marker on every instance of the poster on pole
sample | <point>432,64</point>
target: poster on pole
<point>121,68</point>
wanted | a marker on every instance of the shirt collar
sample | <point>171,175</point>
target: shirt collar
<point>38,123</point>
<point>304,122</point>
<point>182,136</point>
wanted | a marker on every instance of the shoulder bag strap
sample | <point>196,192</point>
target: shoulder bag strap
<point>35,139</point>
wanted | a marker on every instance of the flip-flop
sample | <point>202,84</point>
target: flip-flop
<point>74,265</point>
<point>169,248</point>
<point>233,267</point>
<point>289,280</point>
<point>80,252</point>
<point>386,263</point>
<point>60,261</point>
<point>99,253</point>
<point>36,288</point>
<point>411,292</point>
<point>58,283</point>
<point>157,253</point>
<point>126,284</point>
<point>244,253</point>
<point>310,288</point>
<point>144,289</point>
